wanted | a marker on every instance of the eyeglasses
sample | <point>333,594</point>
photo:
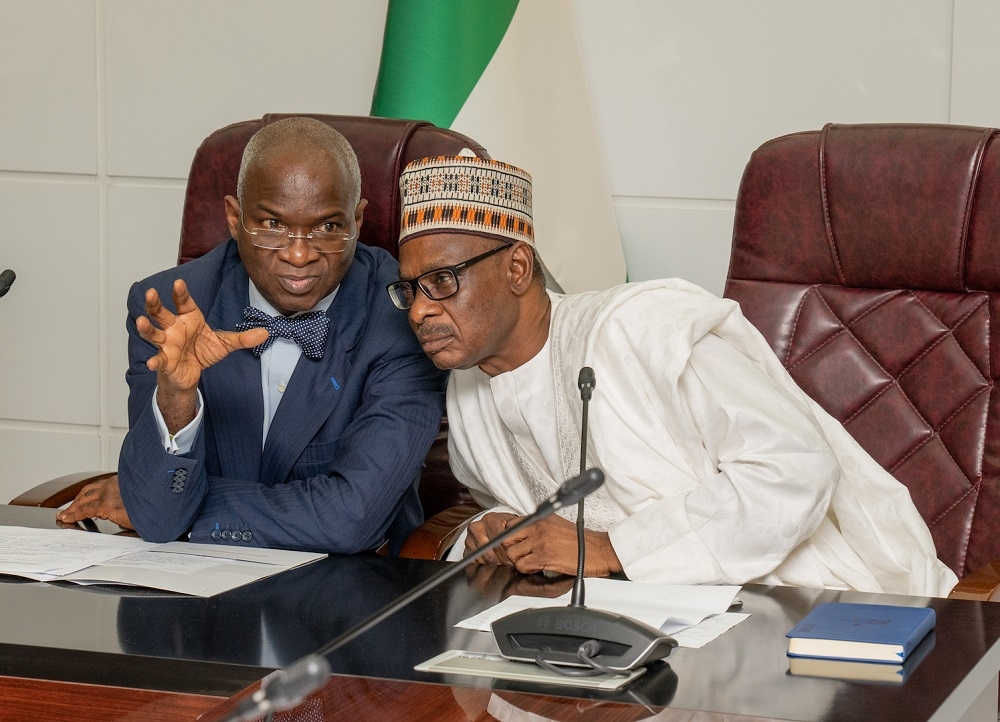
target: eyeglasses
<point>437,285</point>
<point>276,237</point>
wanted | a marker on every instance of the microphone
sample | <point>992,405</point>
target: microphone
<point>284,689</point>
<point>586,381</point>
<point>572,492</point>
<point>600,642</point>
<point>6,281</point>
<point>290,686</point>
<point>569,493</point>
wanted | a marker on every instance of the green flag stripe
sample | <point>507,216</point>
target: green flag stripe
<point>433,54</point>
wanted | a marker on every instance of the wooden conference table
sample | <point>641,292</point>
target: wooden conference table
<point>85,653</point>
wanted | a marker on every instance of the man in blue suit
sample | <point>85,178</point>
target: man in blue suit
<point>282,401</point>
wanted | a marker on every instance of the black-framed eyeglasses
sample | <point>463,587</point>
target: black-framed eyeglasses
<point>324,238</point>
<point>437,285</point>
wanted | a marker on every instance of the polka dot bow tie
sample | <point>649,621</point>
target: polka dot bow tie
<point>308,330</point>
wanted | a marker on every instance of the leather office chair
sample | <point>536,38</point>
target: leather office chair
<point>869,258</point>
<point>384,147</point>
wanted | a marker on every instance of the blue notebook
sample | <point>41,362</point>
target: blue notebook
<point>867,632</point>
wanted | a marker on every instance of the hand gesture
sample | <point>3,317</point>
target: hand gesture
<point>186,346</point>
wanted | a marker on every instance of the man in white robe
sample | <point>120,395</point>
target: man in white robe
<point>718,468</point>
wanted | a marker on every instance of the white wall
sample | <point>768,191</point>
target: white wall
<point>105,101</point>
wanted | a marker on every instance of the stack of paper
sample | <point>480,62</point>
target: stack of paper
<point>202,570</point>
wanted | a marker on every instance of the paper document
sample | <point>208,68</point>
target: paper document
<point>56,552</point>
<point>669,607</point>
<point>202,570</point>
<point>705,631</point>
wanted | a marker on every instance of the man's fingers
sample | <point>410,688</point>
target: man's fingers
<point>482,531</point>
<point>516,538</point>
<point>72,514</point>
<point>82,506</point>
<point>153,304</point>
<point>156,337</point>
<point>471,545</point>
<point>149,332</point>
<point>530,561</point>
<point>488,558</point>
<point>235,340</point>
<point>182,299</point>
<point>527,564</point>
<point>156,311</point>
<point>100,500</point>
<point>503,557</point>
<point>476,536</point>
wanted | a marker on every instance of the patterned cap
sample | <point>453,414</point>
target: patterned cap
<point>465,194</point>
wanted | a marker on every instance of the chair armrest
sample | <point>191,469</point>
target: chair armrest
<point>53,494</point>
<point>982,584</point>
<point>433,538</point>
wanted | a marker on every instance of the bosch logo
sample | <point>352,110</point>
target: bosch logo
<point>542,623</point>
<point>575,625</point>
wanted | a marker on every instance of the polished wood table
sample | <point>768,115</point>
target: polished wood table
<point>143,655</point>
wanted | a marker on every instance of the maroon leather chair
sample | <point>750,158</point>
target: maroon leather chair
<point>869,258</point>
<point>384,147</point>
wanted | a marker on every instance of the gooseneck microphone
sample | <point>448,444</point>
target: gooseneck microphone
<point>283,690</point>
<point>569,493</point>
<point>586,382</point>
<point>288,687</point>
<point>6,280</point>
<point>588,641</point>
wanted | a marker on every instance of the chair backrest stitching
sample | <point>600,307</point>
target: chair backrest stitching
<point>831,241</point>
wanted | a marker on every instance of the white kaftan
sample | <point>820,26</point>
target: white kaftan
<point>718,468</point>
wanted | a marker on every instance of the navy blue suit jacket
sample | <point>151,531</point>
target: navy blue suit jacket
<point>339,469</point>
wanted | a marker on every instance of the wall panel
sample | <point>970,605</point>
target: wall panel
<point>32,456</point>
<point>178,70</point>
<point>48,75</point>
<point>50,318</point>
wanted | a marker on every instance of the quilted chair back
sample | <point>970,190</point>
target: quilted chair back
<point>869,258</point>
<point>384,146</point>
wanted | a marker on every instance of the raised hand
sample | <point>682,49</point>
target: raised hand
<point>186,346</point>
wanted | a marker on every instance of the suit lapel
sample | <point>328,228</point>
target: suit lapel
<point>232,387</point>
<point>316,387</point>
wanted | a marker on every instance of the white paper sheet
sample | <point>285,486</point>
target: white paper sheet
<point>708,629</point>
<point>202,570</point>
<point>55,552</point>
<point>670,607</point>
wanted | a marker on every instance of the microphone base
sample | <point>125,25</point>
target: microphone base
<point>556,633</point>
